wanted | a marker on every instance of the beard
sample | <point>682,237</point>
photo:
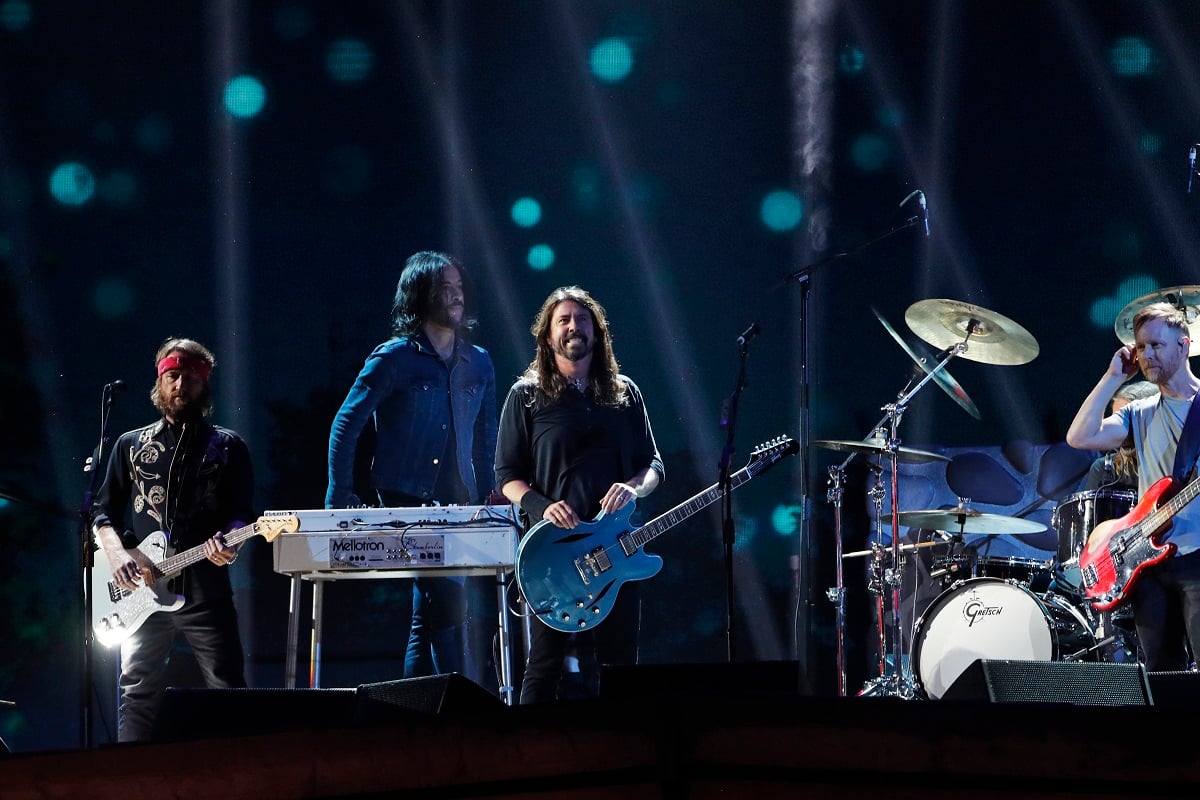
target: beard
<point>574,347</point>
<point>182,408</point>
<point>450,316</point>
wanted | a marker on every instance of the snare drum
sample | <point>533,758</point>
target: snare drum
<point>994,619</point>
<point>1076,517</point>
<point>1031,572</point>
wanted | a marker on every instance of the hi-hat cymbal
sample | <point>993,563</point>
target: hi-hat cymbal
<point>991,338</point>
<point>878,447</point>
<point>942,377</point>
<point>962,519</point>
<point>1185,298</point>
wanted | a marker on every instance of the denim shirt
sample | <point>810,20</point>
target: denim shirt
<point>403,384</point>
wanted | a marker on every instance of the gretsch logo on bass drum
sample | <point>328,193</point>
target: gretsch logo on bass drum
<point>975,609</point>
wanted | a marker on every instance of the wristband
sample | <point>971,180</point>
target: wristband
<point>534,504</point>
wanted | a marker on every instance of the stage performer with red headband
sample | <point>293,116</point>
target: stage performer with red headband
<point>193,481</point>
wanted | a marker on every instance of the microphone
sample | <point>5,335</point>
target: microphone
<point>748,334</point>
<point>1191,167</point>
<point>116,386</point>
<point>925,208</point>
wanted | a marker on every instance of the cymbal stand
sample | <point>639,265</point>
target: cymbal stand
<point>897,682</point>
<point>837,595</point>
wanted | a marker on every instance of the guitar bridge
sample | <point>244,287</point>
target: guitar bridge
<point>592,564</point>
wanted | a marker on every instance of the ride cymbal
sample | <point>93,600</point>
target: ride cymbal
<point>991,338</point>
<point>942,377</point>
<point>962,519</point>
<point>1185,298</point>
<point>878,447</point>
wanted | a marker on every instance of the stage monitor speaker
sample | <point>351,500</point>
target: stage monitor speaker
<point>450,694</point>
<point>1078,683</point>
<point>188,714</point>
<point>1175,689</point>
<point>740,679</point>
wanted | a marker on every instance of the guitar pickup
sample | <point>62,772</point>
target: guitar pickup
<point>593,563</point>
<point>1088,576</point>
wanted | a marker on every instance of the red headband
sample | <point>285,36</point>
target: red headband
<point>186,363</point>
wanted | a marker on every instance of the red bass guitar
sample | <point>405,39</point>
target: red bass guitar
<point>1119,549</point>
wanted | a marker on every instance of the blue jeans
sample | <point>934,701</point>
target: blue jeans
<point>435,637</point>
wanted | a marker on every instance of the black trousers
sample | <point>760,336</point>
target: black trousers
<point>211,630</point>
<point>613,641</point>
<point>1166,612</point>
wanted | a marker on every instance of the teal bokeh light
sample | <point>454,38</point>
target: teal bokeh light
<point>611,60</point>
<point>293,21</point>
<point>526,212</point>
<point>1104,310</point>
<point>870,152</point>
<point>781,210</point>
<point>851,60</point>
<point>15,15</point>
<point>349,60</point>
<point>785,519</point>
<point>1133,57</point>
<point>112,298</point>
<point>541,257</point>
<point>1150,144</point>
<point>245,96</point>
<point>72,184</point>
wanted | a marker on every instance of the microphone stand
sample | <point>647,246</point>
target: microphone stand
<point>803,276</point>
<point>729,424</point>
<point>90,467</point>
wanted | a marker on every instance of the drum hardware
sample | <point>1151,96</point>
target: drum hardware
<point>1000,341</point>
<point>943,378</point>
<point>1184,298</point>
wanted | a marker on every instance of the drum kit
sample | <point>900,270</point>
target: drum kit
<point>1036,608</point>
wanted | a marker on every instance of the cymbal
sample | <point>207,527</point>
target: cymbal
<point>991,338</point>
<point>963,519</point>
<point>942,377</point>
<point>1185,298</point>
<point>878,447</point>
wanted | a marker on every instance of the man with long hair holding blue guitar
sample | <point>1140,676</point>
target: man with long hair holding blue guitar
<point>183,483</point>
<point>574,442</point>
<point>1150,556</point>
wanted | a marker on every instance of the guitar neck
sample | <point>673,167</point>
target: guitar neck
<point>660,525</point>
<point>173,565</point>
<point>1161,515</point>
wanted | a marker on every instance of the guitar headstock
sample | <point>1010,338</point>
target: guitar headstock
<point>775,449</point>
<point>273,523</point>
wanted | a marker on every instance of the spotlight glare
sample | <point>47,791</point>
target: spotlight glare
<point>349,60</point>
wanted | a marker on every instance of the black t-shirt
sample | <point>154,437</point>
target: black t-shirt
<point>573,448</point>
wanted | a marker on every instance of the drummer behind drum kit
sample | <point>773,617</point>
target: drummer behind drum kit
<point>994,608</point>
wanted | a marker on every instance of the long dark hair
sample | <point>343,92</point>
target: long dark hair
<point>603,383</point>
<point>418,288</point>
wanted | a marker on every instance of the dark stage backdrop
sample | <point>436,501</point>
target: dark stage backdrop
<point>252,174</point>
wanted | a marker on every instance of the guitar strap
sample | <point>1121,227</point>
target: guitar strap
<point>1189,444</point>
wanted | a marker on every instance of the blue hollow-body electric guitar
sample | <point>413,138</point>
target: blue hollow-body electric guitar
<point>570,578</point>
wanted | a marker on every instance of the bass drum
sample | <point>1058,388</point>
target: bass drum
<point>1074,518</point>
<point>994,619</point>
